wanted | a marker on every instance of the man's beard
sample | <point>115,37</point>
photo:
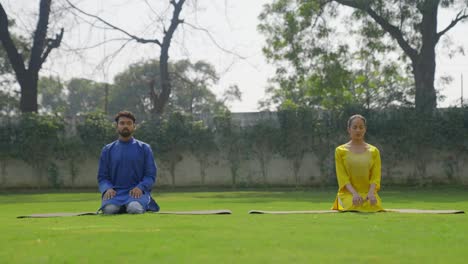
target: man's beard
<point>125,133</point>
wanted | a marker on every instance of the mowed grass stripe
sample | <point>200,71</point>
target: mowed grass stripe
<point>236,238</point>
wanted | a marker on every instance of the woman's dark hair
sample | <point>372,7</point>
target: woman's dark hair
<point>126,114</point>
<point>350,120</point>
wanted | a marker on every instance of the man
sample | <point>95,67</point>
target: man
<point>127,171</point>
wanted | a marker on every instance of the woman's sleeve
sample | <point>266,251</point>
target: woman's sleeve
<point>376,170</point>
<point>341,174</point>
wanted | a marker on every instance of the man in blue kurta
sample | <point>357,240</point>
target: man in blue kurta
<point>127,171</point>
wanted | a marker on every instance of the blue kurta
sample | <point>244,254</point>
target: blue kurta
<point>123,166</point>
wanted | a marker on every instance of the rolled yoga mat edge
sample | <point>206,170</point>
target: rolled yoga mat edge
<point>199,212</point>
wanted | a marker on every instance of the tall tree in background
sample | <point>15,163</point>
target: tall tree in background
<point>191,91</point>
<point>191,83</point>
<point>28,76</point>
<point>76,96</point>
<point>131,89</point>
<point>158,99</point>
<point>5,66</point>
<point>53,97</point>
<point>85,96</point>
<point>9,99</point>
<point>295,29</point>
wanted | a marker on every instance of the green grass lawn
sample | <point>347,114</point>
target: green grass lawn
<point>236,238</point>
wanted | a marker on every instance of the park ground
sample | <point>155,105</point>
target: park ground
<point>236,238</point>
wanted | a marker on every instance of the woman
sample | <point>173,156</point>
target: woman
<point>358,169</point>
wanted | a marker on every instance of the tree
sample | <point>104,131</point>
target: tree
<point>8,102</point>
<point>191,84</point>
<point>191,87</point>
<point>379,83</point>
<point>85,96</point>
<point>131,89</point>
<point>262,139</point>
<point>231,94</point>
<point>52,95</point>
<point>77,96</point>
<point>174,141</point>
<point>297,127</point>
<point>9,99</point>
<point>202,145</point>
<point>327,82</point>
<point>411,24</point>
<point>29,129</point>
<point>28,77</point>
<point>231,144</point>
<point>158,99</point>
<point>324,76</point>
<point>5,66</point>
<point>162,86</point>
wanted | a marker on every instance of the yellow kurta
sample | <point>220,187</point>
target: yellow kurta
<point>361,170</point>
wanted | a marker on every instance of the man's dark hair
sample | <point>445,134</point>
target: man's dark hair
<point>126,114</point>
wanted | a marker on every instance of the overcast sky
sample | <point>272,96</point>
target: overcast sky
<point>233,25</point>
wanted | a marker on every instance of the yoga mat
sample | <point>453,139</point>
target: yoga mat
<point>56,215</point>
<point>293,212</point>
<point>201,212</point>
<point>422,211</point>
<point>405,211</point>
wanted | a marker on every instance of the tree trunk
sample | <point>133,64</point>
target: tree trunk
<point>423,57</point>
<point>28,100</point>
<point>172,169</point>
<point>165,81</point>
<point>27,77</point>
<point>423,70</point>
<point>424,63</point>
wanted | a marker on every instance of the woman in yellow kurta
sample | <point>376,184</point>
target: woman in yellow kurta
<point>358,171</point>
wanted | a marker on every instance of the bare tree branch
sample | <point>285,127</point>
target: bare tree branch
<point>112,56</point>
<point>52,44</point>
<point>41,48</point>
<point>208,33</point>
<point>319,15</point>
<point>40,35</point>
<point>160,19</point>
<point>91,24</point>
<point>16,59</point>
<point>460,16</point>
<point>160,101</point>
<point>394,31</point>
<point>138,39</point>
<point>97,44</point>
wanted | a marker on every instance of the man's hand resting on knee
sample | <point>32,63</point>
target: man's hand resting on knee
<point>109,194</point>
<point>136,192</point>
